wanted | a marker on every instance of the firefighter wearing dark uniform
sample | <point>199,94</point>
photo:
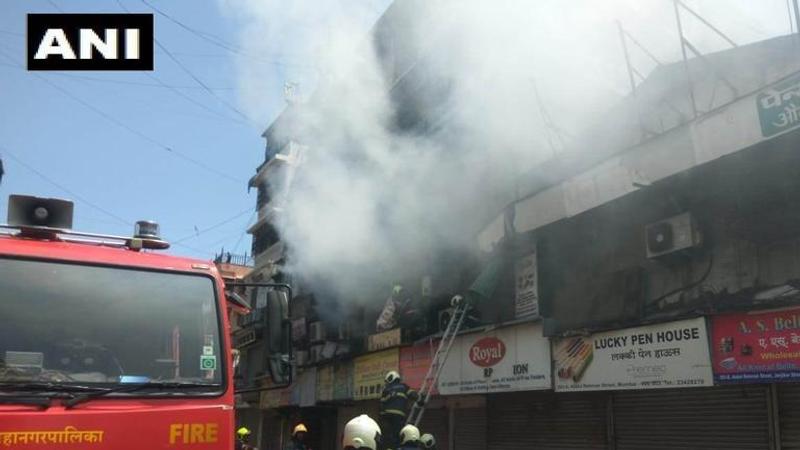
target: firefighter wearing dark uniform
<point>394,408</point>
<point>298,441</point>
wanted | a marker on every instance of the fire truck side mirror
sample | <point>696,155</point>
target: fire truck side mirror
<point>268,321</point>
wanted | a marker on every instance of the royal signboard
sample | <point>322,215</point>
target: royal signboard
<point>779,107</point>
<point>757,347</point>
<point>673,354</point>
<point>515,358</point>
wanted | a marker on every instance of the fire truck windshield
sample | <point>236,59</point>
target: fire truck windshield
<point>83,324</point>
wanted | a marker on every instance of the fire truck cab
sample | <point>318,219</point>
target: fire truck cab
<point>105,343</point>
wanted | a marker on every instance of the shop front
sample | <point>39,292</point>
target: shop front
<point>414,362</point>
<point>488,381</point>
<point>657,384</point>
<point>273,404</point>
<point>760,350</point>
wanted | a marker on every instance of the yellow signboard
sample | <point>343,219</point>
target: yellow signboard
<point>369,371</point>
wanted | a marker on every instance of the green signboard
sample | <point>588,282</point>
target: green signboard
<point>779,107</point>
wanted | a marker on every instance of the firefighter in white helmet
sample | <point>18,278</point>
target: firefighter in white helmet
<point>409,438</point>
<point>427,441</point>
<point>394,407</point>
<point>361,433</point>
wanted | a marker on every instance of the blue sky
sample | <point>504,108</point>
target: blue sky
<point>102,138</point>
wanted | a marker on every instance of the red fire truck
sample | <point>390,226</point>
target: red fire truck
<point>107,344</point>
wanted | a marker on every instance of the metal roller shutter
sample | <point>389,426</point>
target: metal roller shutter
<point>343,415</point>
<point>436,422</point>
<point>470,429</point>
<point>273,433</point>
<point>789,414</point>
<point>546,420</point>
<point>724,417</point>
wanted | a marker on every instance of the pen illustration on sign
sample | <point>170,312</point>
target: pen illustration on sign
<point>572,357</point>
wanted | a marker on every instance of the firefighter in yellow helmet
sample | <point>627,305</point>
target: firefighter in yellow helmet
<point>298,441</point>
<point>361,433</point>
<point>409,438</point>
<point>242,435</point>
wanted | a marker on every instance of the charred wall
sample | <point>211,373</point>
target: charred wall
<point>594,268</point>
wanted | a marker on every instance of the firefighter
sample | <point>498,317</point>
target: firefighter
<point>298,438</point>
<point>394,407</point>
<point>409,438</point>
<point>242,435</point>
<point>361,433</point>
<point>392,309</point>
<point>427,441</point>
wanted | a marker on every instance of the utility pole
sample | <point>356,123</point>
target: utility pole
<point>685,59</point>
<point>627,58</point>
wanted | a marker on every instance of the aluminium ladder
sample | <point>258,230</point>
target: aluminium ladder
<point>460,308</point>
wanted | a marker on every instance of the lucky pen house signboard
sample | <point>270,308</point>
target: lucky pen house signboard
<point>515,358</point>
<point>757,347</point>
<point>666,355</point>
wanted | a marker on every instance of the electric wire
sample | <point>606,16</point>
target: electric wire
<point>213,227</point>
<point>130,129</point>
<point>60,186</point>
<point>195,78</point>
<point>160,84</point>
<point>216,40</point>
<point>201,83</point>
<point>54,5</point>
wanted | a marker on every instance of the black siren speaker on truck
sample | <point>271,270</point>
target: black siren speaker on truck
<point>28,211</point>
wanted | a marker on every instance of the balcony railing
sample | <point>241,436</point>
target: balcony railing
<point>230,258</point>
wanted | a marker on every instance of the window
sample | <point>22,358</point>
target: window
<point>90,324</point>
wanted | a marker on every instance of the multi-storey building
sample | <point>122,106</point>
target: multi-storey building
<point>649,292</point>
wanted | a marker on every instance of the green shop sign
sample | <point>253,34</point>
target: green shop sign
<point>779,107</point>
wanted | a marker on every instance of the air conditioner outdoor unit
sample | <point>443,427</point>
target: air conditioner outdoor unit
<point>316,332</point>
<point>676,234</point>
<point>470,320</point>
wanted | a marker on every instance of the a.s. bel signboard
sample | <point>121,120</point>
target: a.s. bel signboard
<point>757,347</point>
<point>666,355</point>
<point>508,359</point>
<point>90,41</point>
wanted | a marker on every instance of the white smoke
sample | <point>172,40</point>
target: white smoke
<point>371,202</point>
